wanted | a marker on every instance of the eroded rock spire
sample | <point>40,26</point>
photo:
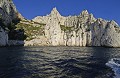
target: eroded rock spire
<point>55,12</point>
<point>84,12</point>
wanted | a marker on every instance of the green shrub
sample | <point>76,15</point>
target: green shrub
<point>31,30</point>
<point>66,28</point>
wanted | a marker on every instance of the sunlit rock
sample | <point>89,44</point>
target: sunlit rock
<point>81,30</point>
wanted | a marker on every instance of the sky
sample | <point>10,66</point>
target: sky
<point>106,9</point>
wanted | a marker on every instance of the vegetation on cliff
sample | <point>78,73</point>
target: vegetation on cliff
<point>31,29</point>
<point>66,28</point>
<point>2,22</point>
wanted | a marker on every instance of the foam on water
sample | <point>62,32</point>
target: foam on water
<point>114,63</point>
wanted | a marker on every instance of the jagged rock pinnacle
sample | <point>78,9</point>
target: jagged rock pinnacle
<point>84,12</point>
<point>54,9</point>
<point>55,12</point>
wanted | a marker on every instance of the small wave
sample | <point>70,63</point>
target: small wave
<point>33,51</point>
<point>114,63</point>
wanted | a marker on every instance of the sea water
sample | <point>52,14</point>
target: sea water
<point>59,62</point>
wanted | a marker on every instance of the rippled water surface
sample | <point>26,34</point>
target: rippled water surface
<point>56,62</point>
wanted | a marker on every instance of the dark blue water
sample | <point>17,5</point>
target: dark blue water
<point>56,62</point>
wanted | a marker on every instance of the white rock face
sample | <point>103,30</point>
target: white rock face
<point>52,28</point>
<point>8,13</point>
<point>41,41</point>
<point>111,36</point>
<point>3,37</point>
<point>82,30</point>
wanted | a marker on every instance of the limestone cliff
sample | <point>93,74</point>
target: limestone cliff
<point>8,11</point>
<point>81,30</point>
<point>8,14</point>
<point>56,30</point>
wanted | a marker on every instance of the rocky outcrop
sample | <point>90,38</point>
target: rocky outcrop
<point>111,35</point>
<point>52,28</point>
<point>41,41</point>
<point>81,30</point>
<point>8,14</point>
<point>8,11</point>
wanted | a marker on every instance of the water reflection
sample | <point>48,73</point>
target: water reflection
<point>56,62</point>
